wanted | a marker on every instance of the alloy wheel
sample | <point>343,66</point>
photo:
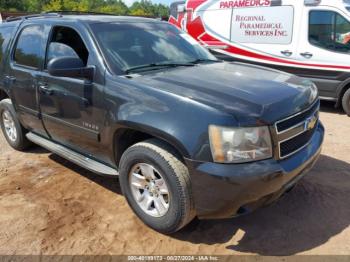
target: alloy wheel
<point>149,189</point>
<point>9,126</point>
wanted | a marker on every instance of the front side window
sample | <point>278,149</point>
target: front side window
<point>66,41</point>
<point>129,45</point>
<point>329,30</point>
<point>30,47</point>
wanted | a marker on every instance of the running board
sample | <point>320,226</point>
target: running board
<point>72,156</point>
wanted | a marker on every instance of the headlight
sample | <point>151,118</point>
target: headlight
<point>314,93</point>
<point>239,145</point>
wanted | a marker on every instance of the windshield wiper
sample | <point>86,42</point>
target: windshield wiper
<point>202,60</point>
<point>154,66</point>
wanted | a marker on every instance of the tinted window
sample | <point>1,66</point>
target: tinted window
<point>329,30</point>
<point>30,47</point>
<point>342,31</point>
<point>5,36</point>
<point>136,44</point>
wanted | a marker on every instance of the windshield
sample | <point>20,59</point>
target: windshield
<point>128,46</point>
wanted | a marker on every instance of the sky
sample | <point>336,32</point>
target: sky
<point>165,2</point>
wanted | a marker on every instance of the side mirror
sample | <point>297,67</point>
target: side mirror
<point>69,67</point>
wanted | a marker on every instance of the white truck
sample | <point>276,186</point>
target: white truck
<point>309,38</point>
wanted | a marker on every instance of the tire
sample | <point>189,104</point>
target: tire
<point>18,139</point>
<point>179,204</point>
<point>346,102</point>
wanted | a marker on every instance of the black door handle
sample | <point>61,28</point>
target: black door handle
<point>306,55</point>
<point>45,90</point>
<point>286,53</point>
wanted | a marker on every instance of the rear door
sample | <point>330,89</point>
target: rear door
<point>27,58</point>
<point>6,35</point>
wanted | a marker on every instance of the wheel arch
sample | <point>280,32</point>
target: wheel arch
<point>341,91</point>
<point>3,94</point>
<point>128,135</point>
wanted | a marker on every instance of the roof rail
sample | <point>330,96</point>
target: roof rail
<point>53,14</point>
<point>67,12</point>
<point>18,18</point>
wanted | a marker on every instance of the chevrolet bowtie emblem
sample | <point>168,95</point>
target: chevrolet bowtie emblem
<point>310,123</point>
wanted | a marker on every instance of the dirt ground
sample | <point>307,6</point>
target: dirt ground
<point>50,206</point>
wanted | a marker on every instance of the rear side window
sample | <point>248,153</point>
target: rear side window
<point>30,47</point>
<point>5,36</point>
<point>329,30</point>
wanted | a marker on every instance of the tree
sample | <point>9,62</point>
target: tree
<point>53,5</point>
<point>12,5</point>
<point>142,8</point>
<point>117,7</point>
<point>162,10</point>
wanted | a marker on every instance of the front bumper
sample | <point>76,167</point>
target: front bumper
<point>227,190</point>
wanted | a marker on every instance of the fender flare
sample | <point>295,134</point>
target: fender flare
<point>153,132</point>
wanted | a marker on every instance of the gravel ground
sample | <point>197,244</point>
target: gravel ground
<point>51,206</point>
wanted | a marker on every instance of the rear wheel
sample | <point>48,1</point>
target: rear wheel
<point>346,102</point>
<point>157,186</point>
<point>11,128</point>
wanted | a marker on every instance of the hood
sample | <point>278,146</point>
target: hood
<point>252,94</point>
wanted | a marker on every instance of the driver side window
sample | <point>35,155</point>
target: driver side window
<point>329,30</point>
<point>66,42</point>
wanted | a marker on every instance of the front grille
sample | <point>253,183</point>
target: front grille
<point>294,120</point>
<point>296,143</point>
<point>295,132</point>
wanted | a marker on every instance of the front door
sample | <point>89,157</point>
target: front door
<point>70,107</point>
<point>325,46</point>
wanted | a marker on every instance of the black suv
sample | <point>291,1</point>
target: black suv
<point>188,135</point>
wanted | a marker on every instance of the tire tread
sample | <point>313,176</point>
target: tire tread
<point>346,102</point>
<point>171,158</point>
<point>23,142</point>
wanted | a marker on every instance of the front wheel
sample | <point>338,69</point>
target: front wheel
<point>157,186</point>
<point>346,102</point>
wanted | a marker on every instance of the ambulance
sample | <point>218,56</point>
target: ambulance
<point>309,38</point>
